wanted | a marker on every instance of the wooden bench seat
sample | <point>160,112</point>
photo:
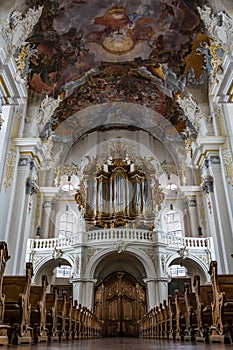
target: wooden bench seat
<point>69,319</point>
<point>38,311</point>
<point>190,314</point>
<point>222,306</point>
<point>171,317</point>
<point>4,257</point>
<point>51,315</point>
<point>180,315</point>
<point>204,298</point>
<point>61,315</point>
<point>17,306</point>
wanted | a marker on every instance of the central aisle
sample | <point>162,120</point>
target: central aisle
<point>122,344</point>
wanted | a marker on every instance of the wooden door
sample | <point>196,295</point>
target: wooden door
<point>120,302</point>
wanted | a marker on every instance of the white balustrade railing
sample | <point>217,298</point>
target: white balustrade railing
<point>189,242</point>
<point>124,233</point>
<point>120,234</point>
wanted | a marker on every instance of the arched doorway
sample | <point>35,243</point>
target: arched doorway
<point>120,301</point>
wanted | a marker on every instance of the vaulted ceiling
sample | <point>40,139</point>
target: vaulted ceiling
<point>93,52</point>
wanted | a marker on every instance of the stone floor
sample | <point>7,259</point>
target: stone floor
<point>120,344</point>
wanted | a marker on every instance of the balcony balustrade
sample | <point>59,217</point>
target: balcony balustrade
<point>112,235</point>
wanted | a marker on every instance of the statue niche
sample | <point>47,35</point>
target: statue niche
<point>118,192</point>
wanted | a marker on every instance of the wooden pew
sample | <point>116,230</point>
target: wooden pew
<point>4,257</point>
<point>180,315</point>
<point>190,314</point>
<point>147,324</point>
<point>204,298</point>
<point>68,319</point>
<point>152,327</point>
<point>166,312</point>
<point>38,311</point>
<point>17,306</point>
<point>51,315</point>
<point>222,306</point>
<point>75,320</point>
<point>172,317</point>
<point>61,315</point>
<point>97,326</point>
<point>161,321</point>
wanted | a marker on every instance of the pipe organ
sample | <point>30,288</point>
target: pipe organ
<point>119,192</point>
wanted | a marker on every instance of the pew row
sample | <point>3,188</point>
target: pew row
<point>51,315</point>
<point>221,306</point>
<point>204,297</point>
<point>38,311</point>
<point>4,257</point>
<point>17,306</point>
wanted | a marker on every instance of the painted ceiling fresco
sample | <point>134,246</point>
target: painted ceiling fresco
<point>97,51</point>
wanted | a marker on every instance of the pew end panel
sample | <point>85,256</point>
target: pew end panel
<point>4,329</point>
<point>222,306</point>
<point>17,306</point>
<point>38,311</point>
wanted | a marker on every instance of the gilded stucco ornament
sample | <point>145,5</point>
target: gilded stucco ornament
<point>189,136</point>
<point>16,31</point>
<point>22,60</point>
<point>225,149</point>
<point>1,117</point>
<point>11,154</point>
<point>219,26</point>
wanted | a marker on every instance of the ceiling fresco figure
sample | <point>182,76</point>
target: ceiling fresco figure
<point>121,31</point>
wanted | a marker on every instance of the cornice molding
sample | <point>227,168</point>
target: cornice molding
<point>205,145</point>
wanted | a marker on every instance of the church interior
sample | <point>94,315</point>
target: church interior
<point>116,170</point>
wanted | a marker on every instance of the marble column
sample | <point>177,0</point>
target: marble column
<point>221,215</point>
<point>192,209</point>
<point>23,215</point>
<point>83,291</point>
<point>151,292</point>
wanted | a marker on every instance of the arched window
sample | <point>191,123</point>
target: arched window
<point>67,223</point>
<point>177,271</point>
<point>173,223</point>
<point>63,271</point>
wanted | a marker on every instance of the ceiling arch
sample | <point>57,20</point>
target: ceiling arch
<point>117,115</point>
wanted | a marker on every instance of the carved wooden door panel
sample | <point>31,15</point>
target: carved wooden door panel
<point>120,302</point>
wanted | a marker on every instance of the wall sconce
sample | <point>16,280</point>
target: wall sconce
<point>1,121</point>
<point>38,232</point>
<point>68,186</point>
<point>1,117</point>
<point>199,230</point>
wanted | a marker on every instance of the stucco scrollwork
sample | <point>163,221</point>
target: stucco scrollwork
<point>184,252</point>
<point>220,27</point>
<point>57,253</point>
<point>90,253</point>
<point>120,246</point>
<point>46,110</point>
<point>193,111</point>
<point>18,27</point>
